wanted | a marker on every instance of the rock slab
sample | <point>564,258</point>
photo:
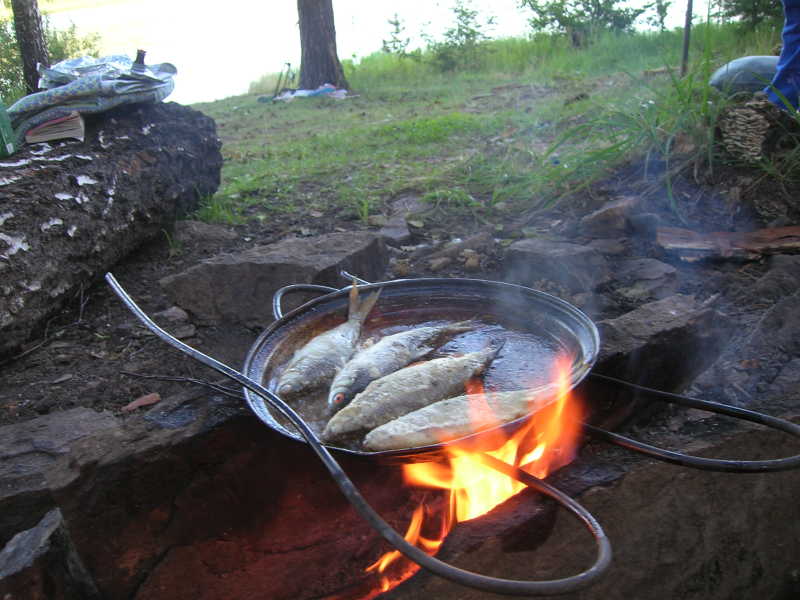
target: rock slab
<point>239,287</point>
<point>42,564</point>
<point>576,268</point>
<point>28,450</point>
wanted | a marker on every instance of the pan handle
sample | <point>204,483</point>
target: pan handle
<point>277,311</point>
<point>350,277</point>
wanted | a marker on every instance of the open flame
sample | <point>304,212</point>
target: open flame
<point>545,443</point>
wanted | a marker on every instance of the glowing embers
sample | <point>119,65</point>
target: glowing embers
<point>546,442</point>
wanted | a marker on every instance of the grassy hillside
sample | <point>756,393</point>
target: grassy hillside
<point>527,122</point>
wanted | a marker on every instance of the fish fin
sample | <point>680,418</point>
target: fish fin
<point>462,326</point>
<point>363,308</point>
<point>353,303</point>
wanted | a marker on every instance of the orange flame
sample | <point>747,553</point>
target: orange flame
<point>545,443</point>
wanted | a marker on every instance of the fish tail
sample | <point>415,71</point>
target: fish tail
<point>360,310</point>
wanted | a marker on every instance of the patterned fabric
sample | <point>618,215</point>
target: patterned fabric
<point>89,92</point>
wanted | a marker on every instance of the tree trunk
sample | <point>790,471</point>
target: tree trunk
<point>31,40</point>
<point>319,61</point>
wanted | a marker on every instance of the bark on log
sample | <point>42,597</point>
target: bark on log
<point>69,211</point>
<point>319,61</point>
<point>30,39</point>
<point>691,245</point>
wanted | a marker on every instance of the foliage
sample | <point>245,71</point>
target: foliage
<point>751,13</point>
<point>61,44</point>
<point>659,15</point>
<point>581,19</point>
<point>396,44</point>
<point>463,45</point>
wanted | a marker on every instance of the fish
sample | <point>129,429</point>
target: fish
<point>318,361</point>
<point>386,356</point>
<point>457,417</point>
<point>407,390</point>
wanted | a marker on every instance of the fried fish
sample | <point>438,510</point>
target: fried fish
<point>456,417</point>
<point>386,356</point>
<point>407,390</point>
<point>316,363</point>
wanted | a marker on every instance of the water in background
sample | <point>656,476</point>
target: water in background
<point>219,48</point>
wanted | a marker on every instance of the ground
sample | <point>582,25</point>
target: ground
<point>94,354</point>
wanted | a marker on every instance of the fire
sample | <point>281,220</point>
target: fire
<point>545,443</point>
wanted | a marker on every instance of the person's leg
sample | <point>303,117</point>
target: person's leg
<point>787,76</point>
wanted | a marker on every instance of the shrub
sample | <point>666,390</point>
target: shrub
<point>65,43</point>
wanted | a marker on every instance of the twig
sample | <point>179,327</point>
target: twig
<point>228,391</point>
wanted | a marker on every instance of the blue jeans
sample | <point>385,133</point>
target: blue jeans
<point>787,77</point>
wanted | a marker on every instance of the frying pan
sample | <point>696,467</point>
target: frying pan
<point>536,327</point>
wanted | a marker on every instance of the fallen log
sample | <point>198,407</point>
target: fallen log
<point>70,210</point>
<point>691,245</point>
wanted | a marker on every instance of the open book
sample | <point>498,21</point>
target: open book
<point>71,126</point>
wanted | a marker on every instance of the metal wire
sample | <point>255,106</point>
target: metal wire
<point>697,462</point>
<point>442,569</point>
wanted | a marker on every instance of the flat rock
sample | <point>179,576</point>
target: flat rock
<point>662,344</point>
<point>42,564</point>
<point>577,268</point>
<point>395,232</point>
<point>239,287</point>
<point>642,279</point>
<point>609,246</point>
<point>610,219</point>
<point>28,450</point>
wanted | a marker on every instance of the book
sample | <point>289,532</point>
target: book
<point>71,126</point>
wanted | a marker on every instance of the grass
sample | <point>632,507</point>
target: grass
<point>532,122</point>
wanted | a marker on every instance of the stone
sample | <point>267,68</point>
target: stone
<point>173,313</point>
<point>645,224</point>
<point>377,221</point>
<point>78,211</point>
<point>781,279</point>
<point>239,287</point>
<point>42,564</point>
<point>395,232</point>
<point>200,232</point>
<point>437,264</point>
<point>401,267</point>
<point>28,450</point>
<point>610,219</point>
<point>577,268</point>
<point>609,247</point>
<point>663,344</point>
<point>408,203</point>
<point>643,279</point>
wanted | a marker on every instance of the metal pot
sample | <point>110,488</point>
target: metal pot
<point>536,326</point>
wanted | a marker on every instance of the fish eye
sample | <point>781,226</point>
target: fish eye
<point>338,398</point>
